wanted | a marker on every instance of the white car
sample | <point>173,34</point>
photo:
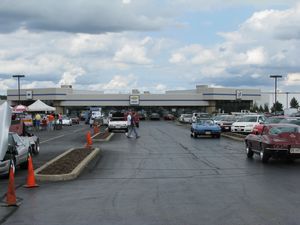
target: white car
<point>246,123</point>
<point>118,122</point>
<point>65,121</point>
<point>185,118</point>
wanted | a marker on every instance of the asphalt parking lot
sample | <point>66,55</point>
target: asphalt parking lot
<point>164,177</point>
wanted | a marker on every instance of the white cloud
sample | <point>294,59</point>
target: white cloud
<point>293,79</point>
<point>126,1</point>
<point>40,84</point>
<point>177,58</point>
<point>256,56</point>
<point>69,77</point>
<point>161,87</point>
<point>132,54</point>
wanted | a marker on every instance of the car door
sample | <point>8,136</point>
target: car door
<point>21,147</point>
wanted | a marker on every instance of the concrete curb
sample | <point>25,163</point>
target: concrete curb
<point>64,177</point>
<point>102,140</point>
<point>232,137</point>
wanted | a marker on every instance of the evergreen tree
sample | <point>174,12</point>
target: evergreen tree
<point>277,107</point>
<point>266,108</point>
<point>261,109</point>
<point>254,107</point>
<point>294,103</point>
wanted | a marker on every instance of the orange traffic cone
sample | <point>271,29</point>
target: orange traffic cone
<point>30,176</point>
<point>11,199</point>
<point>89,141</point>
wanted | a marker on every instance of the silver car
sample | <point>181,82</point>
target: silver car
<point>18,149</point>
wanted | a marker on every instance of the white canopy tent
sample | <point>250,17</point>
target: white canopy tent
<point>39,106</point>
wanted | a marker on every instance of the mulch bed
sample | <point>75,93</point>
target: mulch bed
<point>67,163</point>
<point>235,134</point>
<point>101,136</point>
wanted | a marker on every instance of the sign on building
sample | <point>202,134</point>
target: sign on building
<point>134,99</point>
<point>29,95</point>
<point>239,94</point>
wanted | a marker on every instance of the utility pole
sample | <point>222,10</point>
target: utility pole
<point>275,91</point>
<point>19,76</point>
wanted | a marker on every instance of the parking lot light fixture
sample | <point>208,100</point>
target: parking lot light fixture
<point>19,76</point>
<point>275,78</point>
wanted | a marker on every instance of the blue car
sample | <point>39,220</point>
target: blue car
<point>205,127</point>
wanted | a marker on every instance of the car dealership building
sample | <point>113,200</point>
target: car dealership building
<point>202,98</point>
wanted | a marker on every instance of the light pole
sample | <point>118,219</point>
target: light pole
<point>18,76</point>
<point>275,91</point>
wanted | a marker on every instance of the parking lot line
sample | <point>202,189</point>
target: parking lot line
<point>53,138</point>
<point>75,131</point>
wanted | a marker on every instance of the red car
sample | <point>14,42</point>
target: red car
<point>274,140</point>
<point>169,116</point>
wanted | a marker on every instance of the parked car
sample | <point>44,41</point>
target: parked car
<point>75,119</point>
<point>276,119</point>
<point>154,116</point>
<point>197,115</point>
<point>205,127</point>
<point>169,116</point>
<point>225,121</point>
<point>18,149</point>
<point>274,140</point>
<point>142,116</point>
<point>185,118</point>
<point>65,121</point>
<point>117,122</point>
<point>246,123</point>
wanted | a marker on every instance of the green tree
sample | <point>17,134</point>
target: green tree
<point>261,109</point>
<point>254,107</point>
<point>294,103</point>
<point>277,107</point>
<point>266,108</point>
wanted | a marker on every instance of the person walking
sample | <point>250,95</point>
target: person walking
<point>131,125</point>
<point>38,121</point>
<point>60,118</point>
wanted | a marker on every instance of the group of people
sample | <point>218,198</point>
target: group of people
<point>47,122</point>
<point>132,124</point>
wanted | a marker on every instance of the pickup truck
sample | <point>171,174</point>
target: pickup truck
<point>117,122</point>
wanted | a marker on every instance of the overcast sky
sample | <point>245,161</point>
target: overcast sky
<point>155,45</point>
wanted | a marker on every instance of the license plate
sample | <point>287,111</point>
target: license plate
<point>207,132</point>
<point>226,128</point>
<point>295,150</point>
<point>118,127</point>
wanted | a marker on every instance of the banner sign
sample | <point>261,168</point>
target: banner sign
<point>134,99</point>
<point>239,94</point>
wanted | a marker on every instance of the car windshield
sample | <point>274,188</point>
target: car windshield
<point>248,119</point>
<point>274,120</point>
<point>205,122</point>
<point>291,121</point>
<point>284,129</point>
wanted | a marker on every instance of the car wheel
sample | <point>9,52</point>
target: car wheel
<point>249,152</point>
<point>24,165</point>
<point>264,156</point>
<point>36,149</point>
<point>192,135</point>
<point>109,130</point>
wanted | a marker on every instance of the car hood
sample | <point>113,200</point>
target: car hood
<point>5,121</point>
<point>199,126</point>
<point>244,123</point>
